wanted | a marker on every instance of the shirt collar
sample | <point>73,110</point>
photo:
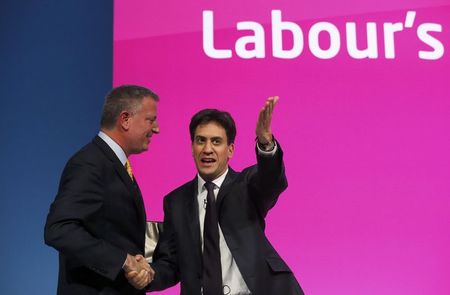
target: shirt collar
<point>114,146</point>
<point>217,182</point>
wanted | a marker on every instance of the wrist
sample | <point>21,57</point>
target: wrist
<point>266,144</point>
<point>264,139</point>
<point>127,265</point>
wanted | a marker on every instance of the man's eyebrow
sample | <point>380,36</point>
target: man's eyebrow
<point>212,138</point>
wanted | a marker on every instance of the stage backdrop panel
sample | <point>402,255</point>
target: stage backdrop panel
<point>363,119</point>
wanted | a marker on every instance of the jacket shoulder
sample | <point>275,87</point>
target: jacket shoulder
<point>181,191</point>
<point>88,153</point>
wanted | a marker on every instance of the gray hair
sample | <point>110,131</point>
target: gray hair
<point>123,98</point>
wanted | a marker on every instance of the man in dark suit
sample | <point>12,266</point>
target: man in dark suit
<point>97,220</point>
<point>213,240</point>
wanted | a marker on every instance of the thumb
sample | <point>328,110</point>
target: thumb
<point>131,274</point>
<point>139,257</point>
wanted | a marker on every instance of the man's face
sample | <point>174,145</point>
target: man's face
<point>211,151</point>
<point>142,125</point>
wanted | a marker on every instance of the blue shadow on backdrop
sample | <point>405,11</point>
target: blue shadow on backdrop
<point>56,66</point>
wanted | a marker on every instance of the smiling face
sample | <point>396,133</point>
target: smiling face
<point>141,126</point>
<point>211,151</point>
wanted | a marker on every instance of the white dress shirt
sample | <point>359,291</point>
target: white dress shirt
<point>233,282</point>
<point>114,146</point>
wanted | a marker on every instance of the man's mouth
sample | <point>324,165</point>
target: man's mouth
<point>208,161</point>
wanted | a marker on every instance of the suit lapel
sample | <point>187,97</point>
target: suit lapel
<point>123,174</point>
<point>191,203</point>
<point>190,199</point>
<point>225,188</point>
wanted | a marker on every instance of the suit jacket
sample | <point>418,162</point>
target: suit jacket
<point>242,204</point>
<point>97,217</point>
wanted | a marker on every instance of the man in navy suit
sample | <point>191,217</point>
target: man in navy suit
<point>97,221</point>
<point>213,240</point>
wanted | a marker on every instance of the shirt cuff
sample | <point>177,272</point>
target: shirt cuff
<point>267,153</point>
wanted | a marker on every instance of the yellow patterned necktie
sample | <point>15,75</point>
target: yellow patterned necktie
<point>129,170</point>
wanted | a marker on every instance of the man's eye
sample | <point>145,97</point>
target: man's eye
<point>216,141</point>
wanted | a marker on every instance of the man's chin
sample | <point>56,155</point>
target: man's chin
<point>206,175</point>
<point>143,149</point>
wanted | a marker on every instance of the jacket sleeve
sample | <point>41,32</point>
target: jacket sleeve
<point>165,256</point>
<point>79,201</point>
<point>267,180</point>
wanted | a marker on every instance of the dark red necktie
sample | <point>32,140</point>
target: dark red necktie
<point>212,269</point>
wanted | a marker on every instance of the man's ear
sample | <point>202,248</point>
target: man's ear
<point>230,150</point>
<point>124,120</point>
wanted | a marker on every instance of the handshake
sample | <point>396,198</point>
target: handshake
<point>138,272</point>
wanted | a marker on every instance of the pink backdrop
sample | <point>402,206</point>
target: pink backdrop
<point>366,141</point>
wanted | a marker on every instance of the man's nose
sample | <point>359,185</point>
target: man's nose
<point>155,127</point>
<point>207,149</point>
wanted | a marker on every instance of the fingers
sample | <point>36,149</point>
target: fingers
<point>131,275</point>
<point>139,280</point>
<point>142,263</point>
<point>269,106</point>
<point>142,279</point>
<point>263,126</point>
<point>138,272</point>
<point>139,257</point>
<point>151,273</point>
<point>137,263</point>
<point>265,115</point>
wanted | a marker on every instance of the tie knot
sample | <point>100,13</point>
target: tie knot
<point>128,167</point>
<point>209,186</point>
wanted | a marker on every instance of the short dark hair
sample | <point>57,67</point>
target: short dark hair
<point>222,118</point>
<point>125,97</point>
